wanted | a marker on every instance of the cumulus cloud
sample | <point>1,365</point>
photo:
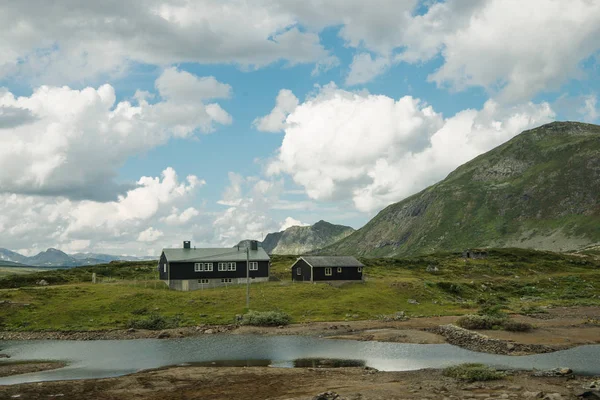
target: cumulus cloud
<point>377,150</point>
<point>289,222</point>
<point>177,218</point>
<point>56,42</point>
<point>38,222</point>
<point>364,68</point>
<point>285,103</point>
<point>68,142</point>
<point>589,110</point>
<point>512,48</point>
<point>150,235</point>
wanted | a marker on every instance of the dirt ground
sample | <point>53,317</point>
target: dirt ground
<point>18,368</point>
<point>254,383</point>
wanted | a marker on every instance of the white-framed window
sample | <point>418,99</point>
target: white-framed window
<point>203,281</point>
<point>164,267</point>
<point>226,280</point>
<point>232,266</point>
<point>253,266</point>
<point>339,270</point>
<point>328,272</point>
<point>200,267</point>
<point>359,269</point>
<point>222,266</point>
<point>299,271</point>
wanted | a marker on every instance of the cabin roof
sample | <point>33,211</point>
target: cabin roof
<point>332,261</point>
<point>214,254</point>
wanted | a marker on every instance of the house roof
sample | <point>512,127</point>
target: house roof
<point>332,261</point>
<point>214,254</point>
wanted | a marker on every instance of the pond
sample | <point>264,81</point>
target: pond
<point>108,358</point>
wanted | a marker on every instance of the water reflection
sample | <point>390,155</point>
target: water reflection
<point>107,358</point>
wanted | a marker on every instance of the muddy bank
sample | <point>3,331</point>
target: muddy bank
<point>253,383</point>
<point>25,367</point>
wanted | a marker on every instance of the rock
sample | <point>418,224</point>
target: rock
<point>42,282</point>
<point>590,394</point>
<point>553,396</point>
<point>432,268</point>
<point>208,332</point>
<point>554,372</point>
<point>412,301</point>
<point>328,396</point>
<point>4,356</point>
<point>532,395</point>
<point>130,330</point>
<point>164,335</point>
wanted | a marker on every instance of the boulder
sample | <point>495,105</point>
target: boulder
<point>327,396</point>
<point>42,282</point>
<point>164,335</point>
<point>590,394</point>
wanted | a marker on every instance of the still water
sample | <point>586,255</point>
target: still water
<point>107,358</point>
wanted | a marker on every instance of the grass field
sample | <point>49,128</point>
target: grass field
<point>515,278</point>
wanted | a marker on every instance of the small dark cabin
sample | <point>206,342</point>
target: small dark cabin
<point>327,268</point>
<point>191,269</point>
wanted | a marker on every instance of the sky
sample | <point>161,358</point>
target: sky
<point>129,126</point>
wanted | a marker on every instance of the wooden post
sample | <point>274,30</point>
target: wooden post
<point>93,277</point>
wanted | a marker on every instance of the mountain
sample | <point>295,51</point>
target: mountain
<point>540,190</point>
<point>58,258</point>
<point>7,255</point>
<point>303,239</point>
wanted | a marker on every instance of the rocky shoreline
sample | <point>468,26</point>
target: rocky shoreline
<point>475,341</point>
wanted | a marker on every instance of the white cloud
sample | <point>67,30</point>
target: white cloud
<point>289,222</point>
<point>249,201</point>
<point>589,110</point>
<point>177,218</point>
<point>285,103</point>
<point>55,42</point>
<point>39,222</point>
<point>364,68</point>
<point>325,65</point>
<point>510,47</point>
<point>150,235</point>
<point>61,141</point>
<point>377,150</point>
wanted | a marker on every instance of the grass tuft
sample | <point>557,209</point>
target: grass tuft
<point>265,318</point>
<point>473,372</point>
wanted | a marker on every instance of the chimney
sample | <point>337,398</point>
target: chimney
<point>253,245</point>
<point>187,244</point>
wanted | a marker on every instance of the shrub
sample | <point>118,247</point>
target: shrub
<point>473,372</point>
<point>514,326</point>
<point>265,318</point>
<point>479,322</point>
<point>494,311</point>
<point>450,287</point>
<point>140,311</point>
<point>154,322</point>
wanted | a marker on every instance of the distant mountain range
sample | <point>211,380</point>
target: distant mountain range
<point>540,190</point>
<point>57,258</point>
<point>303,239</point>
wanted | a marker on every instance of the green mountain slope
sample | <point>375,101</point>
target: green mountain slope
<point>540,190</point>
<point>303,239</point>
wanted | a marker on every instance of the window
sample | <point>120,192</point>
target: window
<point>222,266</point>
<point>339,270</point>
<point>202,280</point>
<point>226,280</point>
<point>164,267</point>
<point>232,266</point>
<point>359,269</point>
<point>253,266</point>
<point>199,267</point>
<point>299,271</point>
<point>328,272</point>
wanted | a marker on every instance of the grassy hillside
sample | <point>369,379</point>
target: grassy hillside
<point>540,190</point>
<point>519,279</point>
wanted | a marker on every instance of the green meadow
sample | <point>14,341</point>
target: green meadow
<point>442,284</point>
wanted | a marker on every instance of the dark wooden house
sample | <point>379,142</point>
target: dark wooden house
<point>191,269</point>
<point>476,254</point>
<point>327,268</point>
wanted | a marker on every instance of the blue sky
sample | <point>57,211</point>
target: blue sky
<point>315,110</point>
